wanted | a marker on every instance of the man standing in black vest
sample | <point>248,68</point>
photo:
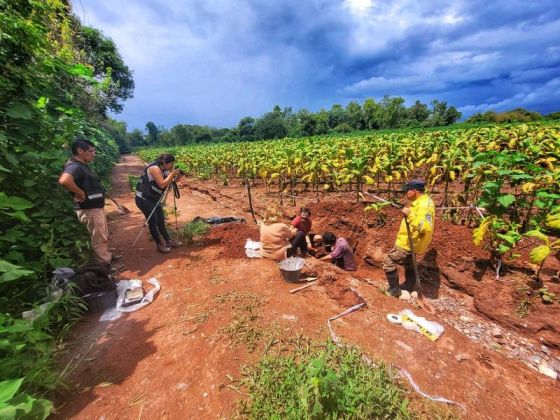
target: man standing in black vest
<point>89,198</point>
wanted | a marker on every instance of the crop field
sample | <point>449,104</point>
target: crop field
<point>512,172</point>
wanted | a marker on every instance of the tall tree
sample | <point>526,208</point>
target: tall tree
<point>153,133</point>
<point>102,54</point>
<point>418,112</point>
<point>355,115</point>
<point>246,128</point>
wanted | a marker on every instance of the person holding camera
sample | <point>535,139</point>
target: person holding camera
<point>89,199</point>
<point>150,191</point>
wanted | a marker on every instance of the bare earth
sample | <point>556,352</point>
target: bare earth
<point>175,359</point>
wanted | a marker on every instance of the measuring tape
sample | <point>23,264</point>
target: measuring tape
<point>400,319</point>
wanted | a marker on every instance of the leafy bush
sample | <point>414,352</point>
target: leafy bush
<point>324,382</point>
<point>194,229</point>
<point>48,95</point>
<point>18,405</point>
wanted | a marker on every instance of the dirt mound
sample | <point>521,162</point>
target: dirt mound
<point>520,308</point>
<point>335,282</point>
<point>232,238</point>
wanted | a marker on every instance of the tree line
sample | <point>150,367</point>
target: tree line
<point>389,113</point>
<point>515,115</point>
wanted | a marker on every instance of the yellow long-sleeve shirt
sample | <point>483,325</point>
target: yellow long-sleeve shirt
<point>421,220</point>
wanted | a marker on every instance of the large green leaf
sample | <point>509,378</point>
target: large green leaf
<point>19,111</point>
<point>539,254</point>
<point>11,272</point>
<point>537,234</point>
<point>506,200</point>
<point>13,202</point>
<point>9,388</point>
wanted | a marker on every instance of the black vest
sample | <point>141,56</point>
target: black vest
<point>149,189</point>
<point>92,187</point>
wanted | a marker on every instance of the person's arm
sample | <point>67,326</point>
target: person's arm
<point>157,175</point>
<point>419,219</point>
<point>67,181</point>
<point>327,257</point>
<point>289,231</point>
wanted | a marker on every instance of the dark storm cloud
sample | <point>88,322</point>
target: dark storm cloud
<point>214,62</point>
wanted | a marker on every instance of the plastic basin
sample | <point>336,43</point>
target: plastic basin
<point>290,268</point>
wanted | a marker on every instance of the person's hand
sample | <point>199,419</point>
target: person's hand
<point>176,173</point>
<point>405,211</point>
<point>80,197</point>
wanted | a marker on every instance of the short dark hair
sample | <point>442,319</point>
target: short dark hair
<point>165,158</point>
<point>305,210</point>
<point>329,238</point>
<point>81,143</point>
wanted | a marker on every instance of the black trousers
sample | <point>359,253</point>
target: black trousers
<point>157,221</point>
<point>299,242</point>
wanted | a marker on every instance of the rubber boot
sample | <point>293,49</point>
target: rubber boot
<point>393,280</point>
<point>409,279</point>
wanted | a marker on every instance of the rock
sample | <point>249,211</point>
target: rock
<point>465,318</point>
<point>182,386</point>
<point>465,331</point>
<point>535,360</point>
<point>548,371</point>
<point>545,350</point>
<point>289,317</point>
<point>414,294</point>
<point>405,295</point>
<point>462,356</point>
<point>404,346</point>
<point>496,332</point>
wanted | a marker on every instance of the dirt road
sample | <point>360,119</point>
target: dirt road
<point>172,358</point>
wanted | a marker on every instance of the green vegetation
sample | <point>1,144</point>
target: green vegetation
<point>512,171</point>
<point>51,89</point>
<point>193,230</point>
<point>326,382</point>
<point>389,113</point>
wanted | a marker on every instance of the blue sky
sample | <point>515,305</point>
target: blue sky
<point>214,62</point>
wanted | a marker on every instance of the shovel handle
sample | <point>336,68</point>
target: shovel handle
<point>413,255</point>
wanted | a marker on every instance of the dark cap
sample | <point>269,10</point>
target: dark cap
<point>415,184</point>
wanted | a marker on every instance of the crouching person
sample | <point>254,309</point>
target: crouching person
<point>420,216</point>
<point>341,254</point>
<point>275,235</point>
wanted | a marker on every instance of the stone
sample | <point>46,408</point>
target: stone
<point>182,386</point>
<point>548,371</point>
<point>465,318</point>
<point>414,294</point>
<point>404,346</point>
<point>289,317</point>
<point>462,356</point>
<point>496,332</point>
<point>405,295</point>
<point>545,350</point>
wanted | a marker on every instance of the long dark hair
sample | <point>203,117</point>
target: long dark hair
<point>165,158</point>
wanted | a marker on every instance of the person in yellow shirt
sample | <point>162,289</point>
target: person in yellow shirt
<point>420,216</point>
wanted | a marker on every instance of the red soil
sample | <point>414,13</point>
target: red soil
<point>173,359</point>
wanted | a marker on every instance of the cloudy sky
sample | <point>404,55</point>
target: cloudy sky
<point>213,62</point>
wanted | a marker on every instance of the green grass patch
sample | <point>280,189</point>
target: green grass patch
<point>323,381</point>
<point>194,230</point>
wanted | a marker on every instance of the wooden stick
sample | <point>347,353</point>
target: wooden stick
<point>305,286</point>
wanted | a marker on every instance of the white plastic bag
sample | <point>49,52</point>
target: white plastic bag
<point>416,323</point>
<point>122,286</point>
<point>252,249</point>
